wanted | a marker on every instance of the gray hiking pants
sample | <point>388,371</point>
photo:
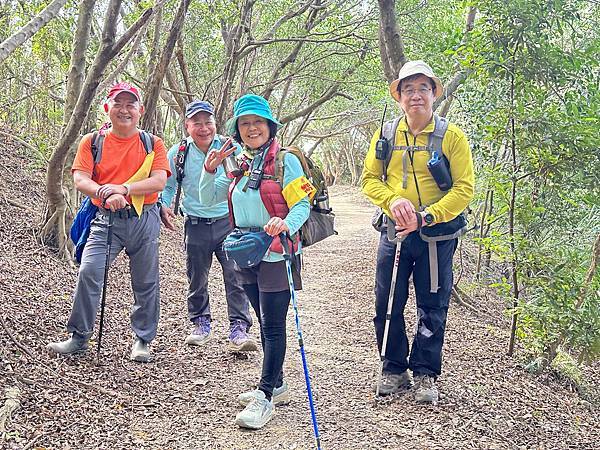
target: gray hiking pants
<point>139,238</point>
<point>203,237</point>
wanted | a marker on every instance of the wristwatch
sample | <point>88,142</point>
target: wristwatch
<point>428,218</point>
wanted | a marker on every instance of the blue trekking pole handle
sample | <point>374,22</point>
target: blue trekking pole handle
<point>111,218</point>
<point>287,254</point>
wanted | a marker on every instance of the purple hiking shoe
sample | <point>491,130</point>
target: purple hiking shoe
<point>239,340</point>
<point>201,333</point>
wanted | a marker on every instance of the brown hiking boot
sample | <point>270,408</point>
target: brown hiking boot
<point>425,389</point>
<point>391,383</point>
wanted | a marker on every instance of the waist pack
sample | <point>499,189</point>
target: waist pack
<point>80,229</point>
<point>445,231</point>
<point>246,249</point>
<point>378,219</point>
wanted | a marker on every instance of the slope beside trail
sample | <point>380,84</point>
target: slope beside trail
<point>185,398</point>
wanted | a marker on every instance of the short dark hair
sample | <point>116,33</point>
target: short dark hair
<point>272,131</point>
<point>414,77</point>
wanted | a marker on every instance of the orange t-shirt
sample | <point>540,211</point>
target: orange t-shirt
<point>121,158</point>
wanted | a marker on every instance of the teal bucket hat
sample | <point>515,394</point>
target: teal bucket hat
<point>250,104</point>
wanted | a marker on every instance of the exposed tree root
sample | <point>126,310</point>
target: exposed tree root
<point>54,231</point>
<point>18,205</point>
<point>11,404</point>
<point>460,297</point>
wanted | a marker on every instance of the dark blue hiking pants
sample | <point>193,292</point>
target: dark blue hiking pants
<point>426,351</point>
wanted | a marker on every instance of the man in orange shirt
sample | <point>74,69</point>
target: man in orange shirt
<point>116,183</point>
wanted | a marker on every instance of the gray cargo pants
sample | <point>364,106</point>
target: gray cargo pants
<point>203,237</point>
<point>139,238</point>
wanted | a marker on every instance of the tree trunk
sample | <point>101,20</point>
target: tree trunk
<point>185,73</point>
<point>391,46</point>
<point>81,40</point>
<point>511,222</point>
<point>34,25</point>
<point>232,39</point>
<point>158,75</point>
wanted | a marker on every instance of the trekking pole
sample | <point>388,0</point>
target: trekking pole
<point>287,254</point>
<point>388,314</point>
<point>111,218</point>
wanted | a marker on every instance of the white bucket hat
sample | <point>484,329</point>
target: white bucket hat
<point>413,68</point>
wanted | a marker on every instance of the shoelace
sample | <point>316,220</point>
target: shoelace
<point>238,331</point>
<point>425,383</point>
<point>204,325</point>
<point>255,405</point>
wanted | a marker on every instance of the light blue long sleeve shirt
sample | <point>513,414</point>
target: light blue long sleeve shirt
<point>248,208</point>
<point>190,201</point>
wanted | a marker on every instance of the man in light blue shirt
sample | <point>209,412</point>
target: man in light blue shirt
<point>205,229</point>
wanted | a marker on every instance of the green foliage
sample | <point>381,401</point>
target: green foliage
<point>536,67</point>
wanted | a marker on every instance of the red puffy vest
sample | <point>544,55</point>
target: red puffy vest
<point>270,194</point>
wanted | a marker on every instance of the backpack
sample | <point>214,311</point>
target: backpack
<point>320,222</point>
<point>434,146</point>
<point>80,228</point>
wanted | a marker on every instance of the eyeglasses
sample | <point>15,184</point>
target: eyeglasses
<point>421,91</point>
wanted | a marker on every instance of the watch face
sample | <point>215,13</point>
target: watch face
<point>428,218</point>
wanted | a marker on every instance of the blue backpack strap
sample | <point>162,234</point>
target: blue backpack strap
<point>148,141</point>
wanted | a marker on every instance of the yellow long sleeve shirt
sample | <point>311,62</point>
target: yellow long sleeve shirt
<point>444,206</point>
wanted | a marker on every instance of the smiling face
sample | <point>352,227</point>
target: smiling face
<point>254,130</point>
<point>124,111</point>
<point>201,127</point>
<point>417,96</point>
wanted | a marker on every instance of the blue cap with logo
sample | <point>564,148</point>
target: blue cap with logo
<point>198,106</point>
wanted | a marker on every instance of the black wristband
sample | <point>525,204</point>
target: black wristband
<point>419,220</point>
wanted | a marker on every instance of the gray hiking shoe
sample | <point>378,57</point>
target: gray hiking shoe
<point>140,351</point>
<point>425,389</point>
<point>75,344</point>
<point>391,383</point>
<point>281,395</point>
<point>201,333</point>
<point>258,412</point>
<point>239,340</point>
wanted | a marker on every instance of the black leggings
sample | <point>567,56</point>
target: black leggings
<point>271,310</point>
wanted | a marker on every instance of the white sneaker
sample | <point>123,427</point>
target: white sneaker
<point>139,351</point>
<point>281,396</point>
<point>258,412</point>
<point>75,344</point>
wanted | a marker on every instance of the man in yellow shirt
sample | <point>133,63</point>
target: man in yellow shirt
<point>427,220</point>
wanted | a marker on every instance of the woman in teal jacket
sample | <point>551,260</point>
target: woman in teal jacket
<point>287,208</point>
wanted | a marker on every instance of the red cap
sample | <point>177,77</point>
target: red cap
<point>123,86</point>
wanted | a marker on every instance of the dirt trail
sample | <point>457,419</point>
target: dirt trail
<point>186,397</point>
